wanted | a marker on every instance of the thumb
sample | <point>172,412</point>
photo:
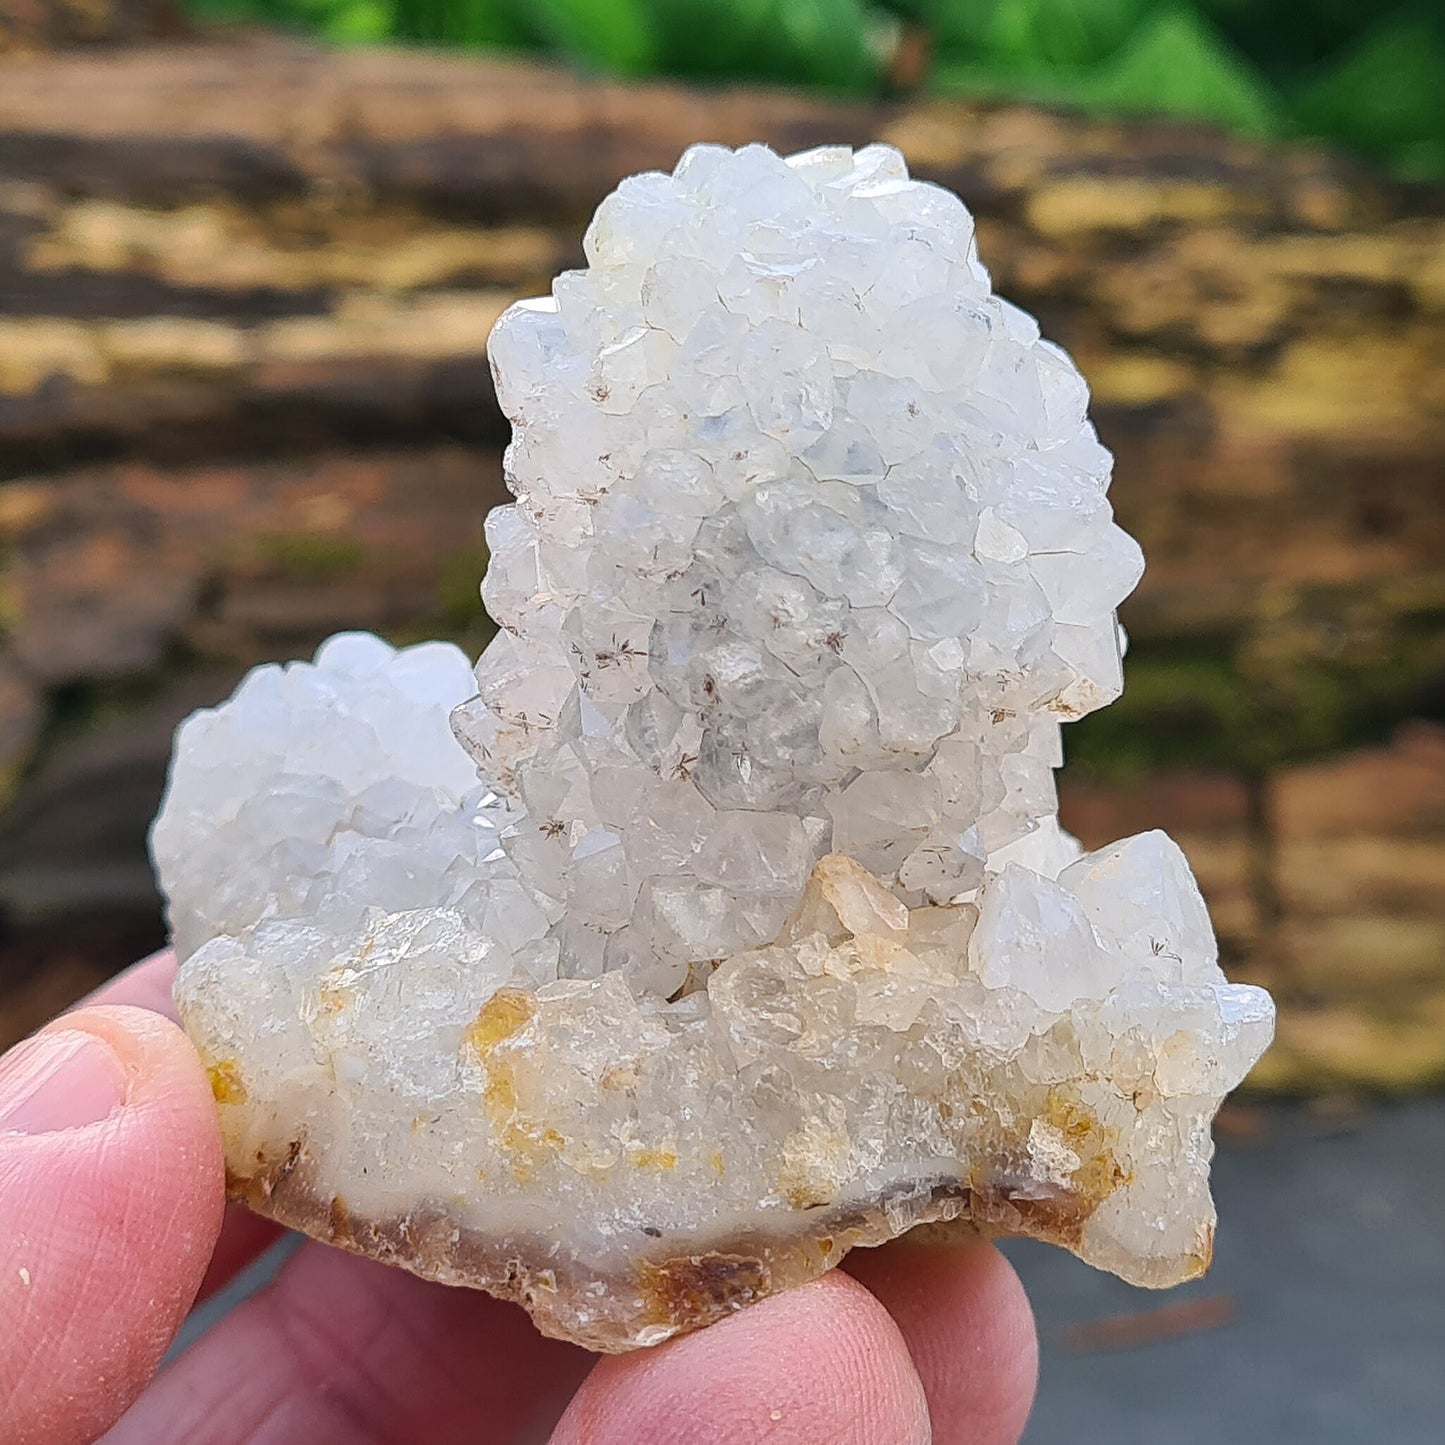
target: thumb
<point>111,1192</point>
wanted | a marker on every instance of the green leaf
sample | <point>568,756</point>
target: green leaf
<point>360,22</point>
<point>822,42</point>
<point>614,35</point>
<point>1030,36</point>
<point>987,80</point>
<point>469,23</point>
<point>1293,33</point>
<point>1063,32</point>
<point>1178,63</point>
<point>1387,96</point>
<point>833,36</point>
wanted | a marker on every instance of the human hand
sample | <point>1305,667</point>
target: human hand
<point>113,1222</point>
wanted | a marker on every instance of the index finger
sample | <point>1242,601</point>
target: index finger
<point>821,1362</point>
<point>969,1328</point>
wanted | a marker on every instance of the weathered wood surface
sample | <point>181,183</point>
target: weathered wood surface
<point>244,290</point>
<point>27,26</point>
<point>215,249</point>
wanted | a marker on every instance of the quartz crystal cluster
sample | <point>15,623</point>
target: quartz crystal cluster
<point>720,921</point>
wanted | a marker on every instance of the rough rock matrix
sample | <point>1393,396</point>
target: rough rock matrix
<point>729,924</point>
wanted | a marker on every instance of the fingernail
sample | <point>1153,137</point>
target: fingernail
<point>62,1079</point>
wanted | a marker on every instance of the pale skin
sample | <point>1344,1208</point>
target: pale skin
<point>113,1223</point>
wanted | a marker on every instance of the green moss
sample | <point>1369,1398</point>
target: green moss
<point>1177,710</point>
<point>458,591</point>
<point>1269,700</point>
<point>10,605</point>
<point>10,779</point>
<point>311,556</point>
<point>457,614</point>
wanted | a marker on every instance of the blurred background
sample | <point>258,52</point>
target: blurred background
<point>249,254</point>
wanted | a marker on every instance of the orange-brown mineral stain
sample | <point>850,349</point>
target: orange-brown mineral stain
<point>1059,1217</point>
<point>808,1194</point>
<point>693,1290</point>
<point>661,1159</point>
<point>1100,1173</point>
<point>339,1219</point>
<point>504,1015</point>
<point>226,1085</point>
<point>1202,1255</point>
<point>263,1173</point>
<point>507,1012</point>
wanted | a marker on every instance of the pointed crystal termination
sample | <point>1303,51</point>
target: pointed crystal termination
<point>729,926</point>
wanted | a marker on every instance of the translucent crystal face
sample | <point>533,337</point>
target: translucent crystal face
<point>732,927</point>
<point>810,549</point>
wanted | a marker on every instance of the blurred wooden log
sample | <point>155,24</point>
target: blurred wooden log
<point>234,562</point>
<point>30,25</point>
<point>244,290</point>
<point>217,247</point>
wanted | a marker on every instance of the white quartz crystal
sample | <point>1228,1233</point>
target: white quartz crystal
<point>810,558</point>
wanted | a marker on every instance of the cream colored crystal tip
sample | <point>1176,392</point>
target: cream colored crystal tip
<point>720,920</point>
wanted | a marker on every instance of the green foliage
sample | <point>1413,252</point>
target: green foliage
<point>615,35</point>
<point>470,24</point>
<point>1369,77</point>
<point>1284,34</point>
<point>828,43</point>
<point>1178,62</point>
<point>1387,95</point>
<point>1031,37</point>
<point>1135,58</point>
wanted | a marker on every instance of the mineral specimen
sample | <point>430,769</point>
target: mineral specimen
<point>730,925</point>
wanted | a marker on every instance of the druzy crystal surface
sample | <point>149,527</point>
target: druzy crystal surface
<point>720,920</point>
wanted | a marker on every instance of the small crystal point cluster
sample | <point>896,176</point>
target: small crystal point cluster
<point>729,925</point>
